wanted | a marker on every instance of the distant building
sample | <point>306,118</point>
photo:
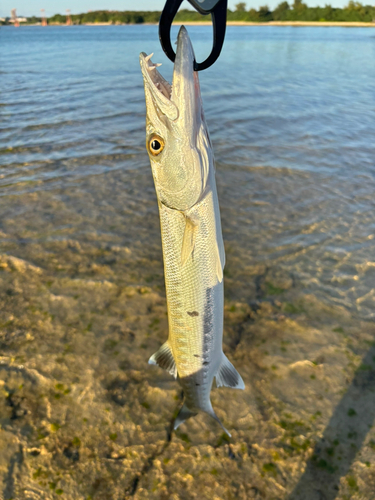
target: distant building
<point>19,19</point>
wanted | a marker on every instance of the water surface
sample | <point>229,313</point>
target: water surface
<point>292,117</point>
<point>291,113</point>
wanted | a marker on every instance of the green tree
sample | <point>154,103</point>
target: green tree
<point>299,5</point>
<point>299,11</point>
<point>328,13</point>
<point>58,18</point>
<point>253,16</point>
<point>280,13</point>
<point>240,7</point>
<point>354,5</point>
<point>265,14</point>
<point>101,17</point>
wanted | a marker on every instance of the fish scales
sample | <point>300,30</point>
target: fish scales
<point>186,287</point>
<point>184,174</point>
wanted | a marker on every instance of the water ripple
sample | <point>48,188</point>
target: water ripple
<point>291,121</point>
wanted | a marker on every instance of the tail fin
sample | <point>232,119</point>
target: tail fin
<point>186,413</point>
<point>183,415</point>
<point>210,411</point>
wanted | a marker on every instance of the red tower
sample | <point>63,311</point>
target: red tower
<point>44,20</point>
<point>15,20</point>
<point>68,18</point>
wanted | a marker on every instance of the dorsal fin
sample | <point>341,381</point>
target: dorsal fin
<point>228,376</point>
<point>163,357</point>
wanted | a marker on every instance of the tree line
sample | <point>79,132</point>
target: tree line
<point>106,16</point>
<point>298,11</point>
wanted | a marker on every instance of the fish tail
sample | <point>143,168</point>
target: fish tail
<point>183,415</point>
<point>210,411</point>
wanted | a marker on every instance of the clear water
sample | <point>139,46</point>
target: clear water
<point>292,118</point>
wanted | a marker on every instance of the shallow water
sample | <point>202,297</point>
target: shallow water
<point>292,119</point>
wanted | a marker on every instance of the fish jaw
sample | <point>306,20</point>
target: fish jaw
<point>158,91</point>
<point>182,100</point>
<point>185,86</point>
<point>174,115</point>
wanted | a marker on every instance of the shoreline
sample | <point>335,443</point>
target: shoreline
<point>344,24</point>
<point>328,24</point>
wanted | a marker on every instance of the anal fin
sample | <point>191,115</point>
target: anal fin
<point>228,376</point>
<point>163,357</point>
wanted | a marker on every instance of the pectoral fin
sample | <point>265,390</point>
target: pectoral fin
<point>164,358</point>
<point>219,265</point>
<point>220,251</point>
<point>228,376</point>
<point>188,241</point>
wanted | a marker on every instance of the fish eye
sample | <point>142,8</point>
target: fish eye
<point>155,145</point>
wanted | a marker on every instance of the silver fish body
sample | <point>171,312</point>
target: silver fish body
<point>184,174</point>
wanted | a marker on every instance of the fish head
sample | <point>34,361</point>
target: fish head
<point>177,139</point>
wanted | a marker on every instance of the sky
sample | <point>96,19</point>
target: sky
<point>32,7</point>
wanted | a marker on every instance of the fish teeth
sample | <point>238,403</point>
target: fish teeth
<point>153,66</point>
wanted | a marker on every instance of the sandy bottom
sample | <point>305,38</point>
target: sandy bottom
<point>83,416</point>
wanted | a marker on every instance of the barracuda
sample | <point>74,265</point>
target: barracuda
<point>183,169</point>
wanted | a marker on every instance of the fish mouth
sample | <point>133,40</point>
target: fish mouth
<point>153,77</point>
<point>185,87</point>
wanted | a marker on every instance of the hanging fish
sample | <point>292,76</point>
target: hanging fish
<point>182,165</point>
